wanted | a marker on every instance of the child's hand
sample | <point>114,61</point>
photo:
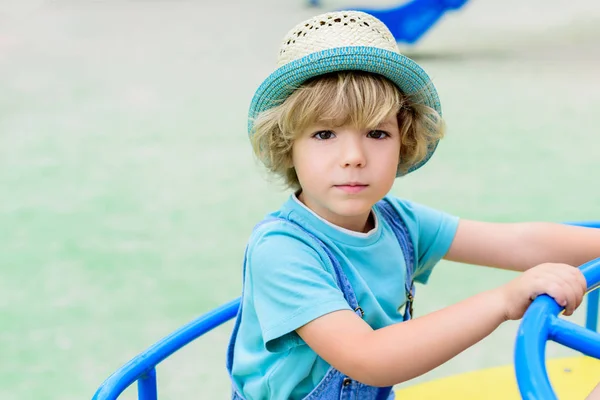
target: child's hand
<point>564,283</point>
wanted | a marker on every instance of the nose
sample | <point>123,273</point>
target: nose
<point>353,152</point>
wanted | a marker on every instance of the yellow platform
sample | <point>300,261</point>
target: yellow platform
<point>572,378</point>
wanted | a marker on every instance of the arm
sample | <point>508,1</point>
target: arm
<point>520,246</point>
<point>399,352</point>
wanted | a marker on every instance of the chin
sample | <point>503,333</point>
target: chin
<point>352,207</point>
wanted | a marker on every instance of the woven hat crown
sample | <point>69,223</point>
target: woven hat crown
<point>333,30</point>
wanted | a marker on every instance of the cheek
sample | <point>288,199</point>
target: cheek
<point>392,159</point>
<point>392,153</point>
<point>300,158</point>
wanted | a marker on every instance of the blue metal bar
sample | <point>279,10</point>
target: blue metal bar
<point>593,297</point>
<point>591,272</point>
<point>575,337</point>
<point>586,224</point>
<point>530,365</point>
<point>147,389</point>
<point>533,333</point>
<point>591,312</point>
<point>142,367</point>
<point>120,380</point>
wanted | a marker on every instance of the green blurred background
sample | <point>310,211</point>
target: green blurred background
<point>128,188</point>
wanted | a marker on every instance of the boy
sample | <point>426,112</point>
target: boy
<point>328,279</point>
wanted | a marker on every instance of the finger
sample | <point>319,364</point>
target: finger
<point>563,293</point>
<point>579,285</point>
<point>576,293</point>
<point>575,279</point>
<point>582,280</point>
<point>571,296</point>
<point>574,283</point>
<point>555,290</point>
<point>577,276</point>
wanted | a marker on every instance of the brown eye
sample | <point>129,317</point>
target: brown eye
<point>378,134</point>
<point>324,135</point>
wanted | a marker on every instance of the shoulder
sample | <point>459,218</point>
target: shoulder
<point>273,231</point>
<point>431,231</point>
<point>411,211</point>
<point>405,209</point>
<point>423,222</point>
<point>276,240</point>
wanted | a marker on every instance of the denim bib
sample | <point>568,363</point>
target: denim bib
<point>335,385</point>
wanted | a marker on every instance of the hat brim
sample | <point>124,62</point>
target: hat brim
<point>401,70</point>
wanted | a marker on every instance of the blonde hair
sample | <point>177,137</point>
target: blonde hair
<point>359,99</point>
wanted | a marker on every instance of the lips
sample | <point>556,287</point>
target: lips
<point>353,187</point>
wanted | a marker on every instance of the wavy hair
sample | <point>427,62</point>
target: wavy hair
<point>356,98</point>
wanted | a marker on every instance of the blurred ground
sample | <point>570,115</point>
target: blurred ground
<point>128,189</point>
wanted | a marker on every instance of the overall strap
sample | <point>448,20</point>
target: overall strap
<point>401,231</point>
<point>340,276</point>
<point>341,279</point>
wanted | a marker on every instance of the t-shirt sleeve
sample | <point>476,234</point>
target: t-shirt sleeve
<point>291,282</point>
<point>432,232</point>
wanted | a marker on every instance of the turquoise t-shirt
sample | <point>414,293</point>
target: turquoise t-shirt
<point>289,282</point>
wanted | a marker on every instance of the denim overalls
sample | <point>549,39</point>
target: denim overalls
<point>335,385</point>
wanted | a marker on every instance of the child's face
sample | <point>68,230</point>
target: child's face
<point>343,170</point>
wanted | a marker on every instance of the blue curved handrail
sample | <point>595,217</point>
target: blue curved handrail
<point>142,367</point>
<point>593,297</point>
<point>541,323</point>
<point>586,224</point>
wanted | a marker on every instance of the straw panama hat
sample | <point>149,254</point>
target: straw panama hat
<point>342,41</point>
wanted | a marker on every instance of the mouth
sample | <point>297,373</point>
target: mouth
<point>352,187</point>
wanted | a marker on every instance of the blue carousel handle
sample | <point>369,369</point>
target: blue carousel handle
<point>142,367</point>
<point>540,324</point>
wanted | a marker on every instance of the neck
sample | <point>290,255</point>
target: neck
<point>357,223</point>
